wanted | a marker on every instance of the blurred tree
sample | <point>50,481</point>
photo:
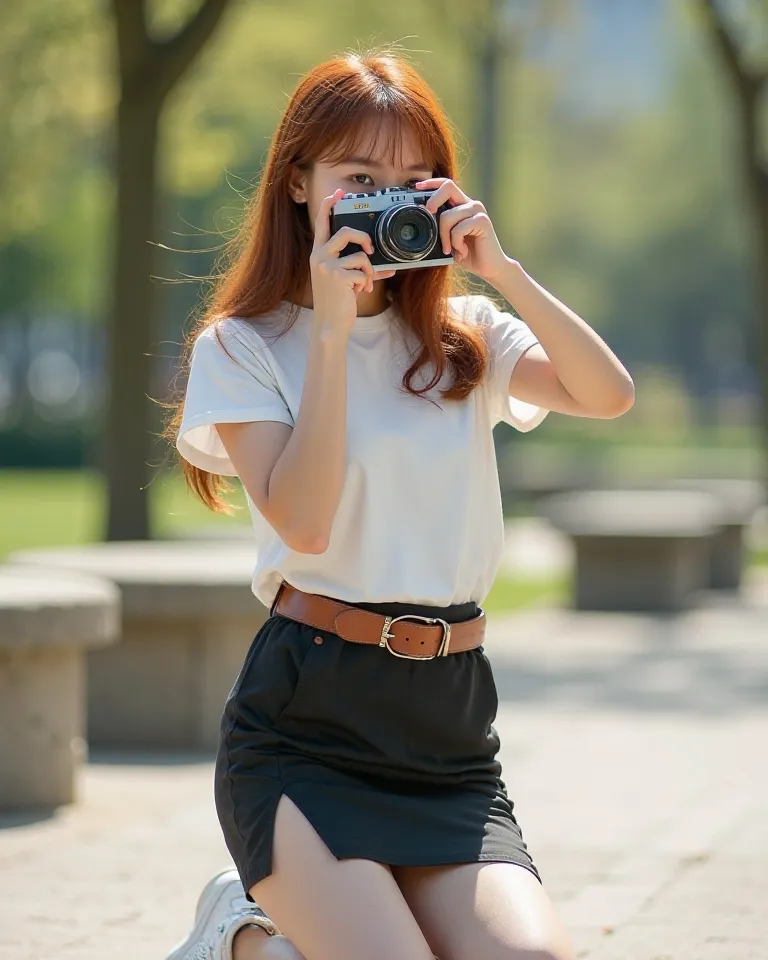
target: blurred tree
<point>632,215</point>
<point>51,160</point>
<point>149,69</point>
<point>739,33</point>
<point>496,32</point>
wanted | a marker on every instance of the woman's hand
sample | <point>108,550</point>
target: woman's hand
<point>336,281</point>
<point>466,228</point>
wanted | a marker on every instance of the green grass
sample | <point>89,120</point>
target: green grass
<point>40,508</point>
<point>759,558</point>
<point>513,593</point>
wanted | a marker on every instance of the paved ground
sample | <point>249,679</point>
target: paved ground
<point>634,748</point>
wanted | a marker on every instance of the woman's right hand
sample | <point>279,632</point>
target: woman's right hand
<point>336,281</point>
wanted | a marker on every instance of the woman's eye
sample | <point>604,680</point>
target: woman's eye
<point>412,181</point>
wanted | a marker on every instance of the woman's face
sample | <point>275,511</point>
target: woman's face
<point>359,175</point>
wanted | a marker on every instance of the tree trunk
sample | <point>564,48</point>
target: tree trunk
<point>747,85</point>
<point>149,70</point>
<point>489,63</point>
<point>127,443</point>
<point>759,197</point>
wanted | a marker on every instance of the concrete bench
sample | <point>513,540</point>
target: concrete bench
<point>740,501</point>
<point>47,620</point>
<point>188,619</point>
<point>643,550</point>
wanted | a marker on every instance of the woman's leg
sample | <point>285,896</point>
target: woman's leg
<point>334,909</point>
<point>497,911</point>
<point>253,943</point>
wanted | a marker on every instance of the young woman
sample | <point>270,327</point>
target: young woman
<point>356,780</point>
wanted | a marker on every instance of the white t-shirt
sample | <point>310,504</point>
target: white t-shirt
<point>420,516</point>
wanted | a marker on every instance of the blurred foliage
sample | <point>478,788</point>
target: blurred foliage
<point>631,217</point>
<point>636,223</point>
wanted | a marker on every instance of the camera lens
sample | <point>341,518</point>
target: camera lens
<point>406,231</point>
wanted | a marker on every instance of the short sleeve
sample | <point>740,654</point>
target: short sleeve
<point>226,389</point>
<point>508,338</point>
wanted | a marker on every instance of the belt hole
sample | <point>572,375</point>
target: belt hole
<point>318,639</point>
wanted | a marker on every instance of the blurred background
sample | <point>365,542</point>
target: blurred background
<point>618,147</point>
<point>613,142</point>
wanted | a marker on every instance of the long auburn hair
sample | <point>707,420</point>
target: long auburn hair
<point>267,261</point>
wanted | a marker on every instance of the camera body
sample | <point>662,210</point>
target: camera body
<point>405,234</point>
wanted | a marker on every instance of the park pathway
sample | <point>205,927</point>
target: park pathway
<point>634,748</point>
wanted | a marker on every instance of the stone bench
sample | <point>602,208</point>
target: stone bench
<point>188,618</point>
<point>643,550</point>
<point>740,501</point>
<point>47,621</point>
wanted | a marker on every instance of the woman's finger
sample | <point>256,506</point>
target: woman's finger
<point>359,259</point>
<point>323,219</point>
<point>449,219</point>
<point>346,235</point>
<point>359,278</point>
<point>361,262</point>
<point>468,227</point>
<point>446,191</point>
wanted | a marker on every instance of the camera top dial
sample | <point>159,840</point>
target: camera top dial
<point>378,193</point>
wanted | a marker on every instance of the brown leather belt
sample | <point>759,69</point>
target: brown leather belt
<point>430,638</point>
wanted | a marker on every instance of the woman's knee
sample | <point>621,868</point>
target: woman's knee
<point>497,911</point>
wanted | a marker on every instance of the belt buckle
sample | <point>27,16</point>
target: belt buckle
<point>442,650</point>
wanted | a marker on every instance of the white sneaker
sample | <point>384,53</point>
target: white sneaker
<point>222,911</point>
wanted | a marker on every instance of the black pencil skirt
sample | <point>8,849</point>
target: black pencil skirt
<point>389,759</point>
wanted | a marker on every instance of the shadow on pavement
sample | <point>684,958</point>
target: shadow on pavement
<point>23,818</point>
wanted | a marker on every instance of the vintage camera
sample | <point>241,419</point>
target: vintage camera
<point>405,234</point>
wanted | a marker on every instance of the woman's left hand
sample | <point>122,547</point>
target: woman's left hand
<point>466,228</point>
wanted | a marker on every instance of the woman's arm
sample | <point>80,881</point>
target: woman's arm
<point>296,481</point>
<point>573,370</point>
<point>295,475</point>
